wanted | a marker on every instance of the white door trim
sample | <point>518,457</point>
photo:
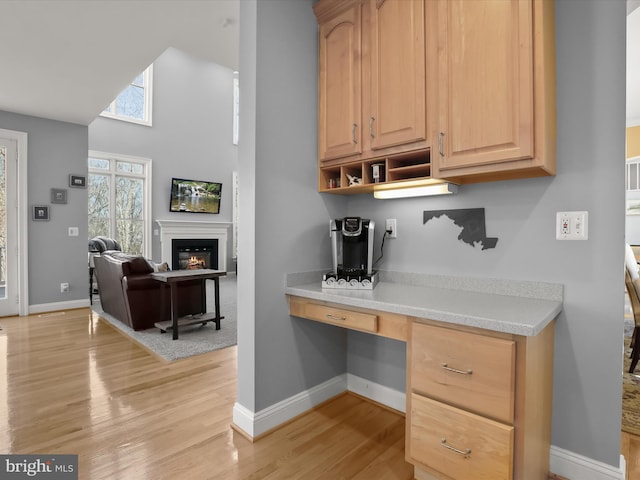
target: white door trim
<point>23,219</point>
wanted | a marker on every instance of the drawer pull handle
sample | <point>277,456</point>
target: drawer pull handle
<point>455,370</point>
<point>465,453</point>
<point>333,317</point>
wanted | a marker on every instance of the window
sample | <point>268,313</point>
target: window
<point>236,107</point>
<point>633,174</point>
<point>3,220</point>
<point>134,103</point>
<point>119,190</point>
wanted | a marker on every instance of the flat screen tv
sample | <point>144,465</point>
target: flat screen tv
<point>195,196</point>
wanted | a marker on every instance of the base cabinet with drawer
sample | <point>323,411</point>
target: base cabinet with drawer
<point>376,322</point>
<point>478,403</point>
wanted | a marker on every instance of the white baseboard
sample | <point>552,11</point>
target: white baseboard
<point>562,462</point>
<point>243,419</point>
<point>576,467</point>
<point>52,307</point>
<point>255,424</point>
<point>376,392</point>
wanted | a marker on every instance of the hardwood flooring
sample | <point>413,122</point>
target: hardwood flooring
<point>630,448</point>
<point>73,384</point>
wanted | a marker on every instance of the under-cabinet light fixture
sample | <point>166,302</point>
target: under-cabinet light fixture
<point>440,189</point>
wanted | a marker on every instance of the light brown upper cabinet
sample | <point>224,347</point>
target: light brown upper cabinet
<point>491,71</point>
<point>372,85</point>
<point>340,82</point>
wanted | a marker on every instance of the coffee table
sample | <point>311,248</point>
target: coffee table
<point>173,278</point>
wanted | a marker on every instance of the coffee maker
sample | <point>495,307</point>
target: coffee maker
<point>352,254</point>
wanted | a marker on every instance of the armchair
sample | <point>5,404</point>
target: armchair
<point>128,293</point>
<point>97,245</point>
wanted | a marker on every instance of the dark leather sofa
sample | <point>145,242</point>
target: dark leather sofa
<point>128,293</point>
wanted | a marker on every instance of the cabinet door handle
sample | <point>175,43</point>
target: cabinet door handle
<point>353,133</point>
<point>455,370</point>
<point>440,144</point>
<point>334,317</point>
<point>466,453</point>
<point>371,121</point>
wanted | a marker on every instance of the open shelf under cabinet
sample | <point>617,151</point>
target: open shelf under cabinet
<point>406,170</point>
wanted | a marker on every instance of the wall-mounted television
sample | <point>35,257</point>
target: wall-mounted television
<point>195,196</point>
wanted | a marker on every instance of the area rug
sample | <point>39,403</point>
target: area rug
<point>194,339</point>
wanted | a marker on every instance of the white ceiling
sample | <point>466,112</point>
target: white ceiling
<point>67,59</point>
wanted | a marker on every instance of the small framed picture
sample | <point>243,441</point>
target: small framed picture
<point>40,212</point>
<point>58,195</point>
<point>78,181</point>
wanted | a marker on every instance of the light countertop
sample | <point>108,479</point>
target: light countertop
<point>516,307</point>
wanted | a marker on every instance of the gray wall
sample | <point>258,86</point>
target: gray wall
<point>283,220</point>
<point>191,135</point>
<point>55,150</point>
<point>287,233</point>
<point>280,356</point>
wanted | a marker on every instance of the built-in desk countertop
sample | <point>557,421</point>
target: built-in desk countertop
<point>479,360</point>
<point>509,306</point>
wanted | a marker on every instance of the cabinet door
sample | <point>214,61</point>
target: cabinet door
<point>340,86</point>
<point>484,82</point>
<point>397,93</point>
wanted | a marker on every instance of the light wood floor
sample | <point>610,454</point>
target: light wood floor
<point>630,448</point>
<point>73,384</point>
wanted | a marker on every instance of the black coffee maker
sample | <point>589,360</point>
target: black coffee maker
<point>352,250</point>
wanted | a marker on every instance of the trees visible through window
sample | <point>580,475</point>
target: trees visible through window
<point>134,103</point>
<point>119,205</point>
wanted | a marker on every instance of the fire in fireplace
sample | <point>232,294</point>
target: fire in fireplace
<point>194,253</point>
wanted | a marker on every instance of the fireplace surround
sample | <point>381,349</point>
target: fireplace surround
<point>192,230</point>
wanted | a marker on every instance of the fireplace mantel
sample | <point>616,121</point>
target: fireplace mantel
<point>170,229</point>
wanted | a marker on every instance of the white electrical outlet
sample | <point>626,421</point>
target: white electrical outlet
<point>572,225</point>
<point>391,227</point>
<point>64,287</point>
<point>73,231</point>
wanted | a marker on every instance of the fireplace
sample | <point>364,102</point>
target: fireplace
<point>171,230</point>
<point>194,253</point>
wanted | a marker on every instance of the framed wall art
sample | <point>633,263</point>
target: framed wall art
<point>58,195</point>
<point>41,212</point>
<point>78,181</point>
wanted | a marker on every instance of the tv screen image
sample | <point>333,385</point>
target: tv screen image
<point>195,196</point>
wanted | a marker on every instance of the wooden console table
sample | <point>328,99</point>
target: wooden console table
<point>173,278</point>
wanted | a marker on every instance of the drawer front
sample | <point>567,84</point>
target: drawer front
<point>467,370</point>
<point>335,316</point>
<point>459,444</point>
